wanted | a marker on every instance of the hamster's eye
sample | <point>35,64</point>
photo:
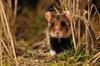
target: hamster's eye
<point>52,24</point>
<point>63,23</point>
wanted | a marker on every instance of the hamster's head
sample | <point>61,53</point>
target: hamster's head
<point>58,25</point>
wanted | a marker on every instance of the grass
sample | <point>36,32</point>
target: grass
<point>80,55</point>
<point>7,41</point>
<point>69,58</point>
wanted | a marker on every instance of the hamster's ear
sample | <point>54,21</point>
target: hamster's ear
<point>48,16</point>
<point>67,14</point>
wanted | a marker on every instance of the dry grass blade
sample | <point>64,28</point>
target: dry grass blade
<point>73,7</point>
<point>0,54</point>
<point>4,30</point>
<point>87,34</point>
<point>0,42</point>
<point>95,57</point>
<point>73,36</point>
<point>96,11</point>
<point>95,60</point>
<point>56,10</point>
<point>15,11</point>
<point>7,50</point>
<point>61,3</point>
<point>5,21</point>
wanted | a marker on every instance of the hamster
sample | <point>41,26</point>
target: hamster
<point>58,32</point>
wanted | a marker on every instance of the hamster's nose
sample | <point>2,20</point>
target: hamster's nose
<point>57,33</point>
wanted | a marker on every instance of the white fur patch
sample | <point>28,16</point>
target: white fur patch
<point>52,52</point>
